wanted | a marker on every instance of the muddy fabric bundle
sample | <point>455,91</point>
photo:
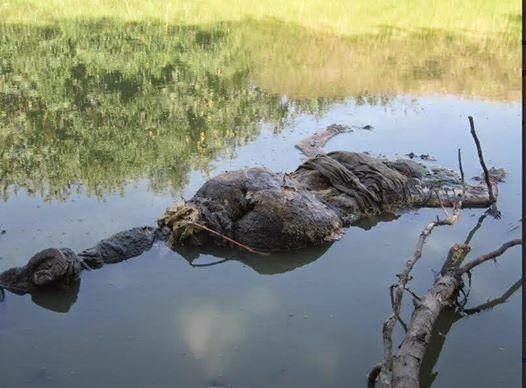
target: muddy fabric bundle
<point>256,207</point>
<point>274,211</point>
<point>260,209</point>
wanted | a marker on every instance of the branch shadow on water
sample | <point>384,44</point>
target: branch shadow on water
<point>443,325</point>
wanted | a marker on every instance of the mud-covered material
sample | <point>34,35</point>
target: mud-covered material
<point>275,211</point>
<point>268,211</point>
<point>48,266</point>
<point>256,207</point>
<point>368,180</point>
<point>408,167</point>
<point>121,246</point>
<point>53,269</point>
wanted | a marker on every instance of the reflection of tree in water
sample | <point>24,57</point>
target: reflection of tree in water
<point>97,103</point>
<point>269,265</point>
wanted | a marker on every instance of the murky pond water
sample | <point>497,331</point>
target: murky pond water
<point>92,146</point>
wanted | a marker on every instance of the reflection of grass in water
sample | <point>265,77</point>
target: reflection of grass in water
<point>97,102</point>
<point>304,64</point>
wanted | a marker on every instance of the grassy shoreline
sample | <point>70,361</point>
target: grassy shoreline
<point>477,18</point>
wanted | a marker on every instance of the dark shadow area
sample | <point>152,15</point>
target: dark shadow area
<point>57,297</point>
<point>277,263</point>
<point>371,222</point>
<point>443,325</point>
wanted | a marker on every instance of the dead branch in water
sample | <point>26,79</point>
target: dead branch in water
<point>407,363</point>
<point>481,159</point>
<point>313,144</point>
<point>397,289</point>
<point>403,368</point>
<point>488,256</point>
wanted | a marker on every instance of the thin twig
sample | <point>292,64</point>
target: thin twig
<point>209,264</point>
<point>412,294</point>
<point>488,256</point>
<point>459,152</point>
<point>481,159</point>
<point>472,232</point>
<point>247,248</point>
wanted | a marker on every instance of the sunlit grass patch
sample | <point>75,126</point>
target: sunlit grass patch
<point>476,17</point>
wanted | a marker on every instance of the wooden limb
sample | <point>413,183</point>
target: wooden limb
<point>400,287</point>
<point>400,370</point>
<point>441,328</point>
<point>489,256</point>
<point>246,248</point>
<point>314,144</point>
<point>453,258</point>
<point>403,369</point>
<point>472,232</point>
<point>397,290</point>
<point>372,376</point>
<point>481,159</point>
<point>459,153</point>
<point>408,360</point>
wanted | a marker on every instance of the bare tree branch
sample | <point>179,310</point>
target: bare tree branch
<point>403,369</point>
<point>488,256</point>
<point>481,159</point>
<point>397,290</point>
<point>472,232</point>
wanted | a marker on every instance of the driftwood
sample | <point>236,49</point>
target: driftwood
<point>403,368</point>
<point>313,145</point>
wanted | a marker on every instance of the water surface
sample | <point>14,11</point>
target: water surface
<point>97,145</point>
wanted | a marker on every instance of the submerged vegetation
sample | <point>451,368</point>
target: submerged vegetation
<point>92,97</point>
